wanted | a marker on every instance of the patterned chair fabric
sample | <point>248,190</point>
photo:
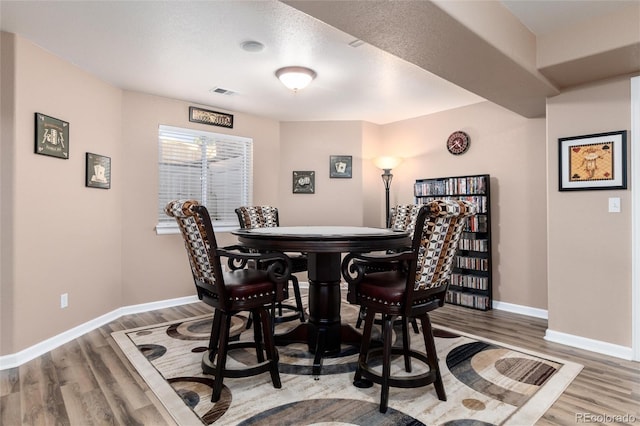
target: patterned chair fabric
<point>196,239</point>
<point>439,242</point>
<point>403,217</point>
<point>257,216</point>
<point>409,293</point>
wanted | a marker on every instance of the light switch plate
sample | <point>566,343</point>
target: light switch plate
<point>614,205</point>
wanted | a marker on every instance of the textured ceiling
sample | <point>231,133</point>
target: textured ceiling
<point>182,50</point>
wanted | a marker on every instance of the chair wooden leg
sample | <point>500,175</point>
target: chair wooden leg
<point>296,293</point>
<point>387,326</point>
<point>406,343</point>
<point>270,347</point>
<point>222,356</point>
<point>364,350</point>
<point>214,338</point>
<point>414,323</point>
<point>257,335</point>
<point>432,356</point>
<point>361,315</point>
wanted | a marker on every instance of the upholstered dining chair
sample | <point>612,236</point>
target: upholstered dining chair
<point>265,217</point>
<point>402,217</point>
<point>231,291</point>
<point>410,292</point>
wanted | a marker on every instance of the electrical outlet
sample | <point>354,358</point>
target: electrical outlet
<point>64,300</point>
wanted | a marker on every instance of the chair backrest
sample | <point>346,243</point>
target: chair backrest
<point>439,226</point>
<point>403,217</point>
<point>257,216</point>
<point>199,239</point>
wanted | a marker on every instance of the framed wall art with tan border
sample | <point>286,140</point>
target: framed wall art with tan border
<point>592,162</point>
<point>52,136</point>
<point>98,171</point>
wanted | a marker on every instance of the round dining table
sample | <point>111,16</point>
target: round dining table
<point>324,332</point>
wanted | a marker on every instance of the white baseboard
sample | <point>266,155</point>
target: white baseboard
<point>589,344</point>
<point>520,309</point>
<point>19,358</point>
<point>568,339</point>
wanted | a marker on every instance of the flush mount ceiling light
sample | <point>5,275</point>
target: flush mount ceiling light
<point>295,78</point>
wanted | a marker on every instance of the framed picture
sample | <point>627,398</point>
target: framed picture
<point>213,118</point>
<point>340,166</point>
<point>98,171</point>
<point>52,136</point>
<point>304,182</point>
<point>597,161</point>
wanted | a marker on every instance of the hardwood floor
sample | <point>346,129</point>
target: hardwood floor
<point>88,381</point>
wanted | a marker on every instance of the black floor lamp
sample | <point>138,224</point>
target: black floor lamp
<point>386,164</point>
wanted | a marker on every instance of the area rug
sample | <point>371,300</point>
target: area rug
<point>487,383</point>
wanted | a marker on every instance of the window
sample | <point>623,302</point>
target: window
<point>212,168</point>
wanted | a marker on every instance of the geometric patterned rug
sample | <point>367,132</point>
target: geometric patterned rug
<point>486,382</point>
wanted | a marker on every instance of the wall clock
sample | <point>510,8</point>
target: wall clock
<point>458,143</point>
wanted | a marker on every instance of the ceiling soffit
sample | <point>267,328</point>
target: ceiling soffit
<point>423,34</point>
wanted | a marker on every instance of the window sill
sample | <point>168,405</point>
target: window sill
<point>171,229</point>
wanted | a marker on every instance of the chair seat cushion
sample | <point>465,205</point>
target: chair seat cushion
<point>387,288</point>
<point>243,284</point>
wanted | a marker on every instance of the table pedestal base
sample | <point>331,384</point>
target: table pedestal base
<point>322,341</point>
<point>323,333</point>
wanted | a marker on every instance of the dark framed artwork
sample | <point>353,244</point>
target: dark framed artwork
<point>98,171</point>
<point>340,166</point>
<point>213,118</point>
<point>304,182</point>
<point>52,136</point>
<point>591,162</point>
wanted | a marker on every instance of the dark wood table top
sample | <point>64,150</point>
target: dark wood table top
<point>322,239</point>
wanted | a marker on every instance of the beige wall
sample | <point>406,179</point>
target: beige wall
<point>373,188</point>
<point>66,238</point>
<point>589,248</point>
<point>511,149</point>
<point>155,267</point>
<point>308,146</point>
<point>7,167</point>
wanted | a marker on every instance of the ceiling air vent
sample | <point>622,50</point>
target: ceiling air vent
<point>221,91</point>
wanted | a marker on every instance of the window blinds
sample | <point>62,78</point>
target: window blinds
<point>212,168</point>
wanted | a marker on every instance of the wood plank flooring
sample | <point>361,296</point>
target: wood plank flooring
<point>88,381</point>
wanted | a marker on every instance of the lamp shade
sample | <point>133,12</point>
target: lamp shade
<point>295,78</point>
<point>387,163</point>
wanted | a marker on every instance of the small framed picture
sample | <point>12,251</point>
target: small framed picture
<point>340,166</point>
<point>589,162</point>
<point>304,182</point>
<point>98,171</point>
<point>52,136</point>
